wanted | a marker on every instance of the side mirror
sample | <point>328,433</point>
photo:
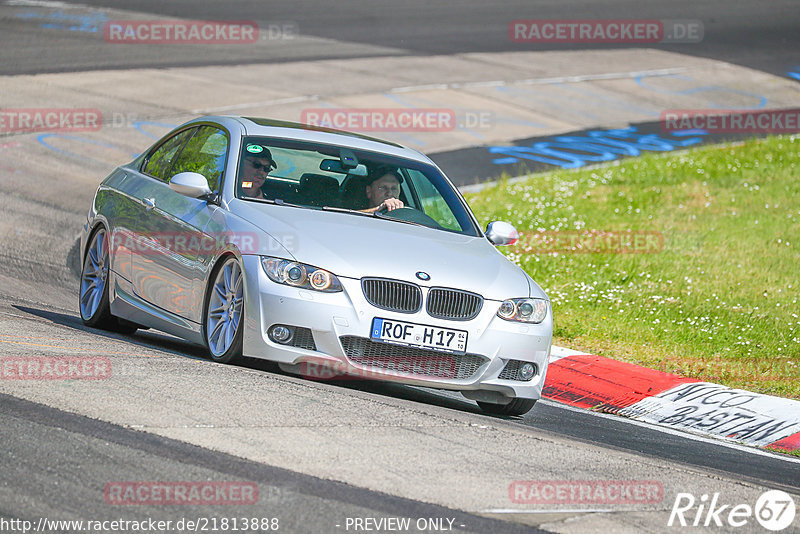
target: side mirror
<point>190,184</point>
<point>501,233</point>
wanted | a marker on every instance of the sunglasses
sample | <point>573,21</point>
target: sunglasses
<point>266,167</point>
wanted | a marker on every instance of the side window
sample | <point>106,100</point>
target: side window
<point>433,204</point>
<point>205,153</point>
<point>160,161</point>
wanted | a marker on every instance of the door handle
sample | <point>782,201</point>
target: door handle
<point>149,203</point>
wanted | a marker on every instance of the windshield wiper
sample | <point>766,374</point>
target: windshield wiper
<point>277,201</point>
<point>384,216</point>
<point>347,210</point>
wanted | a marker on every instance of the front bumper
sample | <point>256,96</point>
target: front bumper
<point>340,325</point>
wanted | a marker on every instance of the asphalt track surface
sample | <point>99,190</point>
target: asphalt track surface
<point>577,424</point>
<point>761,35</point>
<point>40,472</point>
<point>39,445</point>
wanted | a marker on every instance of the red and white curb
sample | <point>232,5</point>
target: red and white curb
<point>665,399</point>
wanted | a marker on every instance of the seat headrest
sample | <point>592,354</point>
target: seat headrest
<point>319,189</point>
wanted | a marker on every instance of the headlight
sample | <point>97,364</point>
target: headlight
<point>292,273</point>
<point>523,310</point>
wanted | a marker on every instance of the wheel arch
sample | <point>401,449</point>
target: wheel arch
<point>98,223</point>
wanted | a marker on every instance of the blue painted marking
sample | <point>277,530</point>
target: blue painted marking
<point>795,75</point>
<point>41,138</point>
<point>137,125</point>
<point>572,151</point>
<point>536,153</point>
<point>683,133</point>
<point>63,21</point>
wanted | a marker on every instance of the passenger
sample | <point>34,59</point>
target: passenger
<point>255,168</point>
<point>382,190</point>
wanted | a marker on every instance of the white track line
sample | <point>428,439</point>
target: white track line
<point>541,81</point>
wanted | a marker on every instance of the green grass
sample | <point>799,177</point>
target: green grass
<point>718,303</point>
<point>785,451</point>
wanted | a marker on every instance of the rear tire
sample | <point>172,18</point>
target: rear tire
<point>515,407</point>
<point>93,294</point>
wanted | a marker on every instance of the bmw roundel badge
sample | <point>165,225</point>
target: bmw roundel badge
<point>422,275</point>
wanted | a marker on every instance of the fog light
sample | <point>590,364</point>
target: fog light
<point>526,371</point>
<point>280,334</point>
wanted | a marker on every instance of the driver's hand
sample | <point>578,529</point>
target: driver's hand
<point>391,204</point>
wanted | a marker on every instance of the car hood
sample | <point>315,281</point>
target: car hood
<point>353,246</point>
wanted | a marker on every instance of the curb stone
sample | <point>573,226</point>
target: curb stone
<point>687,404</point>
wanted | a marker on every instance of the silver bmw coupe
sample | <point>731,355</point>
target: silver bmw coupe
<point>328,252</point>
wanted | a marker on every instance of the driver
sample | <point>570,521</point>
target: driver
<point>257,163</point>
<point>382,191</point>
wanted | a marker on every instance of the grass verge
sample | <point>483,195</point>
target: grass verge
<point>685,263</point>
<point>785,451</point>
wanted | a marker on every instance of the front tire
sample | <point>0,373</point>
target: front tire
<point>513,408</point>
<point>93,295</point>
<point>225,312</point>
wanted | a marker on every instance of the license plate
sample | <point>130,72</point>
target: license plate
<point>419,335</point>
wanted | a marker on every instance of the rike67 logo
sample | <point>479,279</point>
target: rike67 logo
<point>774,510</point>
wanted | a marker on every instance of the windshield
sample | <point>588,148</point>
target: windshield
<point>320,176</point>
